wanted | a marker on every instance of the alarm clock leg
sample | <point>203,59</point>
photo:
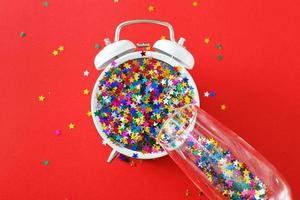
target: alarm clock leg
<point>112,155</point>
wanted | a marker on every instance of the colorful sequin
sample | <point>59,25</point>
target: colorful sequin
<point>227,174</point>
<point>136,97</point>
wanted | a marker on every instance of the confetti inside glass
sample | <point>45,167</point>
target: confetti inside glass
<point>220,163</point>
<point>136,97</point>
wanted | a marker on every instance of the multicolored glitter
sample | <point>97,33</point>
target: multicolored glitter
<point>136,97</point>
<point>218,165</point>
<point>227,174</point>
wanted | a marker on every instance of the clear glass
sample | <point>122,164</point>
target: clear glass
<point>217,160</point>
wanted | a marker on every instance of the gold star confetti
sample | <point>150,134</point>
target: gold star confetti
<point>148,48</point>
<point>89,113</point>
<point>223,107</point>
<point>195,3</point>
<point>71,126</point>
<point>86,91</point>
<point>163,37</point>
<point>42,98</point>
<point>61,48</point>
<point>151,8</point>
<point>206,40</point>
<point>55,52</point>
<point>187,192</point>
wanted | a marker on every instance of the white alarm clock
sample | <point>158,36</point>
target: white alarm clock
<point>137,91</point>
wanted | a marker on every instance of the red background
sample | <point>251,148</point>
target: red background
<point>257,80</point>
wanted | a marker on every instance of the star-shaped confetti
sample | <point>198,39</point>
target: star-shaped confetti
<point>71,125</point>
<point>151,8</point>
<point>116,1</point>
<point>143,53</point>
<point>61,48</point>
<point>219,57</point>
<point>57,132</point>
<point>187,192</point>
<point>212,94</point>
<point>206,40</point>
<point>224,171</point>
<point>97,46</point>
<point>195,3</point>
<point>86,91</point>
<point>219,46</point>
<point>46,162</point>
<point>163,37</point>
<point>223,107</point>
<point>45,3</point>
<point>86,73</point>
<point>55,52</point>
<point>135,155</point>
<point>134,99</point>
<point>206,94</point>
<point>22,34</point>
<point>42,98</point>
<point>89,113</point>
<point>113,63</point>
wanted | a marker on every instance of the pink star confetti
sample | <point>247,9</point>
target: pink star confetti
<point>57,132</point>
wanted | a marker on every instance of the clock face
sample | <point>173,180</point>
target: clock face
<point>134,98</point>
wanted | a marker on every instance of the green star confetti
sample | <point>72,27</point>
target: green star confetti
<point>45,3</point>
<point>97,46</point>
<point>22,34</point>
<point>219,46</point>
<point>219,57</point>
<point>46,162</point>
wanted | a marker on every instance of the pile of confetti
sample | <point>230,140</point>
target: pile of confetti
<point>136,97</point>
<point>227,174</point>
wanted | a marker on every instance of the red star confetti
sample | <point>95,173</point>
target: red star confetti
<point>206,40</point>
<point>223,107</point>
<point>195,3</point>
<point>132,163</point>
<point>86,73</point>
<point>71,125</point>
<point>42,98</point>
<point>151,8</point>
<point>86,91</point>
<point>55,52</point>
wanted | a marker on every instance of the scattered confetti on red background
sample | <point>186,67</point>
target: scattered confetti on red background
<point>257,78</point>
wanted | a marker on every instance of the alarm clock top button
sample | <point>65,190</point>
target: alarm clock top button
<point>111,51</point>
<point>177,51</point>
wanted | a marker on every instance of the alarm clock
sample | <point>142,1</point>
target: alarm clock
<point>138,90</point>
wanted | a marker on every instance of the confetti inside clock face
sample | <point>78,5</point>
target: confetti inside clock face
<point>134,99</point>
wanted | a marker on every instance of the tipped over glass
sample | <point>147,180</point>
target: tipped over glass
<point>217,160</point>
